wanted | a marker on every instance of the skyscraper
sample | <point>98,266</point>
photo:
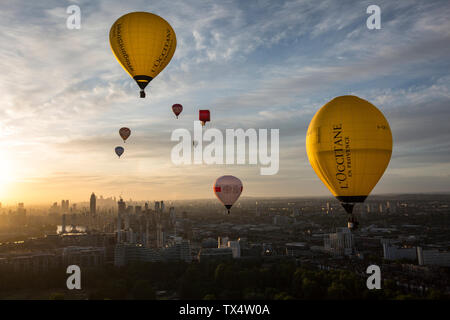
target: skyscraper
<point>93,204</point>
<point>63,226</point>
<point>120,214</point>
<point>122,207</point>
<point>172,216</point>
<point>160,236</point>
<point>64,206</point>
<point>137,210</point>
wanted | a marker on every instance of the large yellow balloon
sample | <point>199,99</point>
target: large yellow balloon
<point>144,44</point>
<point>349,145</point>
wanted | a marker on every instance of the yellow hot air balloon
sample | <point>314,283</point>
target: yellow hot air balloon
<point>144,44</point>
<point>349,145</point>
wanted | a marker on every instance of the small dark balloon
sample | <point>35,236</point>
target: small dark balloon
<point>119,151</point>
<point>177,108</point>
<point>204,116</point>
<point>124,133</point>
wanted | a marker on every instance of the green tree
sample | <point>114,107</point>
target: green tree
<point>57,296</point>
<point>336,291</point>
<point>143,290</point>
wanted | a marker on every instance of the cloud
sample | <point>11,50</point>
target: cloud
<point>254,64</point>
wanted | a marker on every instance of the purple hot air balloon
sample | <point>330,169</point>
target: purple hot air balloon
<point>119,151</point>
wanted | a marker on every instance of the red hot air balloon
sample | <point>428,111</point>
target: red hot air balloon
<point>177,108</point>
<point>203,116</point>
<point>124,133</point>
<point>227,189</point>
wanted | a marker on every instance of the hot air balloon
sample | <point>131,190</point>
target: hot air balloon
<point>228,189</point>
<point>144,44</point>
<point>119,151</point>
<point>349,145</point>
<point>177,108</point>
<point>203,116</point>
<point>124,133</point>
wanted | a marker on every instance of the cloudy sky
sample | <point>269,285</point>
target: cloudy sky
<point>254,64</point>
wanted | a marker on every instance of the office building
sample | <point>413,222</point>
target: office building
<point>84,257</point>
<point>215,254</point>
<point>340,242</point>
<point>433,257</point>
<point>178,249</point>
<point>93,204</point>
<point>393,252</point>
<point>235,248</point>
<point>125,253</point>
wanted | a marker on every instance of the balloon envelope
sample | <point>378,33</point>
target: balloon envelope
<point>124,133</point>
<point>349,145</point>
<point>203,116</point>
<point>119,151</point>
<point>177,108</point>
<point>228,189</point>
<point>144,44</point>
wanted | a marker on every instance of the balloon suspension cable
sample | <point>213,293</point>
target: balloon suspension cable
<point>352,222</point>
<point>348,207</point>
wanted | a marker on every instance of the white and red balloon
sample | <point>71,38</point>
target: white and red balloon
<point>228,189</point>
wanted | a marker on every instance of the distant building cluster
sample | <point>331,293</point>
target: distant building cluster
<point>149,235</point>
<point>105,231</point>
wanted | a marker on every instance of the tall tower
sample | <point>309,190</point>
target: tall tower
<point>93,204</point>
<point>147,233</point>
<point>120,214</point>
<point>63,226</point>
<point>122,207</point>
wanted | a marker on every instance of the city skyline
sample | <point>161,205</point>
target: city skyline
<point>288,239</point>
<point>64,96</point>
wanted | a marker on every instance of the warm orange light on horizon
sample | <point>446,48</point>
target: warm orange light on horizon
<point>6,173</point>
